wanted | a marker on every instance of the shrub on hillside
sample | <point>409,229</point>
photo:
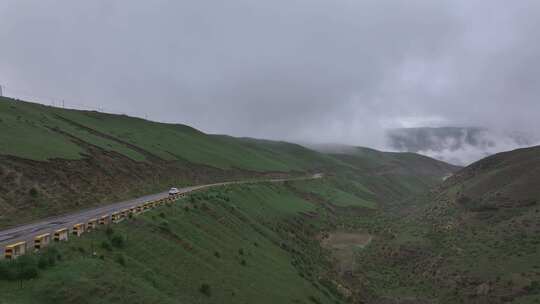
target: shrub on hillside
<point>120,259</point>
<point>7,271</point>
<point>118,241</point>
<point>205,289</point>
<point>533,288</point>
<point>315,300</point>
<point>24,268</point>
<point>164,225</point>
<point>48,257</point>
<point>42,262</point>
<point>106,245</point>
<point>27,267</point>
<point>33,192</point>
<point>109,231</point>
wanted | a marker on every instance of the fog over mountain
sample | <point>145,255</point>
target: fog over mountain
<point>457,145</point>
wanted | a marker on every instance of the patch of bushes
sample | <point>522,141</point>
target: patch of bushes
<point>33,192</point>
<point>109,231</point>
<point>6,270</point>
<point>47,258</point>
<point>534,287</point>
<point>118,241</point>
<point>205,289</point>
<point>120,259</point>
<point>314,299</point>
<point>23,268</point>
<point>106,245</point>
<point>164,225</point>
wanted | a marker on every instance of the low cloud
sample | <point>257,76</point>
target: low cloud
<point>460,146</point>
<point>311,71</point>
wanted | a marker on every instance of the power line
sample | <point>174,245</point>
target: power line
<point>18,94</point>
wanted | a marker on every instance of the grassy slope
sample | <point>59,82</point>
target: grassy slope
<point>170,252</point>
<point>508,178</point>
<point>74,159</point>
<point>263,214</point>
<point>392,177</point>
<point>31,131</point>
<point>339,192</point>
<point>481,228</point>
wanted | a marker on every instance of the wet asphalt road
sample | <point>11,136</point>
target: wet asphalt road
<point>27,232</point>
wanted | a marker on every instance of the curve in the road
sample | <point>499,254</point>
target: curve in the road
<point>26,233</point>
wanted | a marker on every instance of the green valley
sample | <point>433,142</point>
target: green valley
<point>379,227</point>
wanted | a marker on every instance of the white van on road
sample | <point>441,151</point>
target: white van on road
<point>174,191</point>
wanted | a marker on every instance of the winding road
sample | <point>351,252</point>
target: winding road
<point>27,232</point>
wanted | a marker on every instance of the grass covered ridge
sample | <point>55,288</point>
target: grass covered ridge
<point>39,132</point>
<point>54,161</point>
<point>474,239</point>
<point>238,244</point>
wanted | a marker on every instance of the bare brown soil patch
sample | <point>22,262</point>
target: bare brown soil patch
<point>344,245</point>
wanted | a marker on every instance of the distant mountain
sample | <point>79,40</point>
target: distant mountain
<point>457,145</point>
<point>392,174</point>
<point>376,161</point>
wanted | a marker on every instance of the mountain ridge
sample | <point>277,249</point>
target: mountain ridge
<point>54,160</point>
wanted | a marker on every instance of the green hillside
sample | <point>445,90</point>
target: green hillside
<point>54,161</point>
<point>504,180</point>
<point>393,177</point>
<point>476,240</point>
<point>247,244</point>
<point>39,132</point>
<point>340,192</point>
<point>380,227</point>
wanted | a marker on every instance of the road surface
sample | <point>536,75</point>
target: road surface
<point>27,232</point>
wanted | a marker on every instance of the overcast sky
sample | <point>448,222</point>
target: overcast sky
<point>308,70</point>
